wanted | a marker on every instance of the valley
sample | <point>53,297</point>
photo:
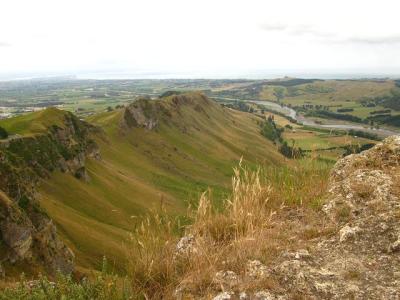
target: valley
<point>193,146</point>
<point>95,175</point>
<point>199,150</point>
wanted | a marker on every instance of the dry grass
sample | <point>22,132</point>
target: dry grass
<point>269,211</point>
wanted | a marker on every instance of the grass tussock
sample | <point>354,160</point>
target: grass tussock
<point>268,211</point>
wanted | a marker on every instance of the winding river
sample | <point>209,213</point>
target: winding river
<point>309,122</point>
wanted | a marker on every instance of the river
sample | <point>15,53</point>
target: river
<point>290,112</point>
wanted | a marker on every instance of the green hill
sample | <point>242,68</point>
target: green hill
<point>33,123</point>
<point>153,153</point>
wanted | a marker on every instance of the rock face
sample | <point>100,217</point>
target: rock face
<point>28,235</point>
<point>141,113</point>
<point>362,260</point>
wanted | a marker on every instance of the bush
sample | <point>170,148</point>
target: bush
<point>3,133</point>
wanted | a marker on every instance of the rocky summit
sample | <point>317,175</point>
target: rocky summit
<point>362,259</point>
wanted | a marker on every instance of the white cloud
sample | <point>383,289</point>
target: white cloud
<point>5,44</point>
<point>197,36</point>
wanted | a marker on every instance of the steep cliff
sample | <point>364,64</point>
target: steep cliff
<point>28,234</point>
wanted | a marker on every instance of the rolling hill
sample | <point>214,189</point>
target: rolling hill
<point>151,154</point>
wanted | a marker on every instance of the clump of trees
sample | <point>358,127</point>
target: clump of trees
<point>390,101</point>
<point>290,151</point>
<point>3,133</point>
<point>333,115</point>
<point>379,112</point>
<point>345,110</point>
<point>364,134</point>
<point>385,119</point>
<point>264,109</point>
<point>271,131</point>
<point>240,105</point>
<point>353,149</point>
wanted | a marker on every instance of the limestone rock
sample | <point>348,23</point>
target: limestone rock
<point>186,245</point>
<point>224,296</point>
<point>348,232</point>
<point>226,279</point>
<point>256,269</point>
<point>361,260</point>
<point>142,113</point>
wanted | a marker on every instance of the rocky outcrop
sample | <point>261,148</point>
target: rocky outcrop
<point>142,113</point>
<point>362,260</point>
<point>147,113</point>
<point>27,233</point>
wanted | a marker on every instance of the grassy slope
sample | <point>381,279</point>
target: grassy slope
<point>141,168</point>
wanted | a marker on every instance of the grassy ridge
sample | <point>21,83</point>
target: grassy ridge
<point>37,122</point>
<point>142,169</point>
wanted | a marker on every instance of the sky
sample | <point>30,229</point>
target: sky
<point>207,38</point>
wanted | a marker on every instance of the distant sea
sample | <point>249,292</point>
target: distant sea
<point>103,75</point>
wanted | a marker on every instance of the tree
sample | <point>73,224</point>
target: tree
<point>371,122</point>
<point>3,133</point>
<point>279,93</point>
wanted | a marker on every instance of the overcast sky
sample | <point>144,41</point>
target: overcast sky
<point>199,37</point>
